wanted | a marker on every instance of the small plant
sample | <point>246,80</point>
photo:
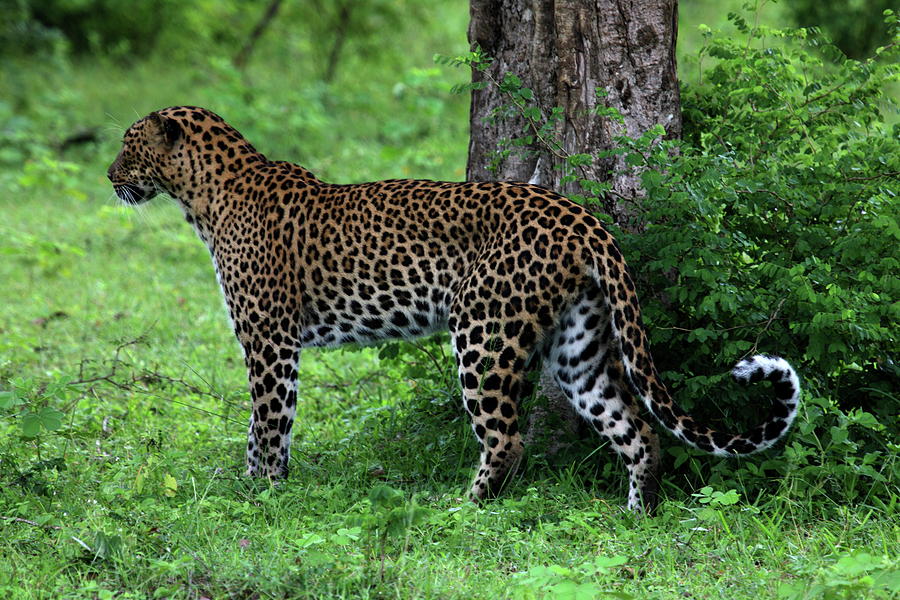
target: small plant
<point>152,479</point>
<point>33,411</point>
<point>586,581</point>
<point>712,497</point>
<point>390,517</point>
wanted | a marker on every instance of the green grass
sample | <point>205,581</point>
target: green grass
<point>113,318</point>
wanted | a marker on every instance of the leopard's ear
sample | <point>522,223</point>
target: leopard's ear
<point>166,130</point>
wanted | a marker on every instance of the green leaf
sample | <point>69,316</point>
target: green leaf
<point>345,536</point>
<point>9,399</point>
<point>512,81</point>
<point>389,351</point>
<point>106,546</point>
<point>31,424</point>
<point>839,435</point>
<point>604,562</point>
<point>309,540</point>
<point>170,485</point>
<point>50,419</point>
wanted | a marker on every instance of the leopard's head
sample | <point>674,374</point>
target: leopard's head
<point>150,159</point>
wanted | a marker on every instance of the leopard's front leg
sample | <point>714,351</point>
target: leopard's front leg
<point>273,388</point>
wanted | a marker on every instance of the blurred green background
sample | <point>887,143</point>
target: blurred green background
<point>348,89</point>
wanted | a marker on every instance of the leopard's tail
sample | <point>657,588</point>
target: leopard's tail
<point>642,377</point>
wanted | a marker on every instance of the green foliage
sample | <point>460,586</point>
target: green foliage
<point>707,495</point>
<point>853,575</point>
<point>140,494</point>
<point>21,33</point>
<point>519,102</point>
<point>593,578</point>
<point>33,410</point>
<point>855,26</point>
<point>325,36</point>
<point>390,516</point>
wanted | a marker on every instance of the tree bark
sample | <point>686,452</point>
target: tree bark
<point>564,51</point>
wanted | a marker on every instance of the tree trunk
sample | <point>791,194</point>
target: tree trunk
<point>564,51</point>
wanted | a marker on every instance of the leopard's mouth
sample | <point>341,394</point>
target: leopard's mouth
<point>132,194</point>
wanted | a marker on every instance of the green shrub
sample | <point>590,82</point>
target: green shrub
<point>855,26</point>
<point>775,228</point>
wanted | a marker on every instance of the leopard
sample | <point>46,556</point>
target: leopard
<point>524,280</point>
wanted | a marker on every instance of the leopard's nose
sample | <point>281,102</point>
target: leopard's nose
<point>113,167</point>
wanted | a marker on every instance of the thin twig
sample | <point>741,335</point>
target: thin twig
<point>140,382</point>
<point>766,326</point>
<point>559,152</point>
<point>876,176</point>
<point>437,364</point>
<point>688,330</point>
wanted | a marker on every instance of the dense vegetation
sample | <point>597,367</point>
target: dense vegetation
<point>772,226</point>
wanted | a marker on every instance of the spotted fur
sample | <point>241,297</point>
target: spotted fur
<point>515,272</point>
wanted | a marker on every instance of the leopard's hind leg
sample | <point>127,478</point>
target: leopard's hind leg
<point>492,376</point>
<point>583,358</point>
<point>493,344</point>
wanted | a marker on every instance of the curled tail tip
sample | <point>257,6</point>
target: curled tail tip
<point>763,366</point>
<point>786,386</point>
<point>784,379</point>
